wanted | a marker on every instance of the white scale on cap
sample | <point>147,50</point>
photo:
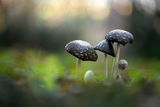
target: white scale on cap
<point>84,43</point>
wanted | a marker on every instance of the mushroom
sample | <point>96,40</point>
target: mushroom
<point>82,50</point>
<point>89,76</point>
<point>122,65</point>
<point>106,47</point>
<point>122,37</point>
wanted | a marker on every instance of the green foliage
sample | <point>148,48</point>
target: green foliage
<point>45,68</point>
<point>46,76</point>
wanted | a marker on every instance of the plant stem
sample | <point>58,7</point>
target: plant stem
<point>114,69</point>
<point>106,73</point>
<point>78,67</point>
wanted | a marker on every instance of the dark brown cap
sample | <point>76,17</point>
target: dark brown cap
<point>121,36</point>
<point>82,50</point>
<point>106,47</point>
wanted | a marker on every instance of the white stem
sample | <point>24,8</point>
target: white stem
<point>106,73</point>
<point>78,65</point>
<point>114,69</point>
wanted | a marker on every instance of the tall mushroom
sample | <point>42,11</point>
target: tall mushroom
<point>122,37</point>
<point>106,47</point>
<point>82,50</point>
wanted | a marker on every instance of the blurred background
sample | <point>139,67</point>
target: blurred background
<point>50,24</point>
<point>35,70</point>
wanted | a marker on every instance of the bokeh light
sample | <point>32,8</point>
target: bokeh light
<point>149,6</point>
<point>123,7</point>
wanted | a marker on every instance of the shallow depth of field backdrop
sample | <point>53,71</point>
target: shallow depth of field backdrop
<point>34,65</point>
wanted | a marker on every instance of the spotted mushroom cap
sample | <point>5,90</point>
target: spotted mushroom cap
<point>106,47</point>
<point>82,50</point>
<point>121,36</point>
<point>122,64</point>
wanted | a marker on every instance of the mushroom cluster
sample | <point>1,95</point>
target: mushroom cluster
<point>84,51</point>
<point>121,37</point>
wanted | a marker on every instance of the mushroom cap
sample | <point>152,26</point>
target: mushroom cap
<point>89,76</point>
<point>106,47</point>
<point>122,64</point>
<point>82,50</point>
<point>121,36</point>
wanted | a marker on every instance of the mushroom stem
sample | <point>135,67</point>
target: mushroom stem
<point>119,75</point>
<point>114,69</point>
<point>78,67</point>
<point>106,73</point>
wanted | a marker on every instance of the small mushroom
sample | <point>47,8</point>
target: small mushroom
<point>82,50</point>
<point>106,47</point>
<point>89,76</point>
<point>123,74</point>
<point>122,65</point>
<point>122,37</point>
